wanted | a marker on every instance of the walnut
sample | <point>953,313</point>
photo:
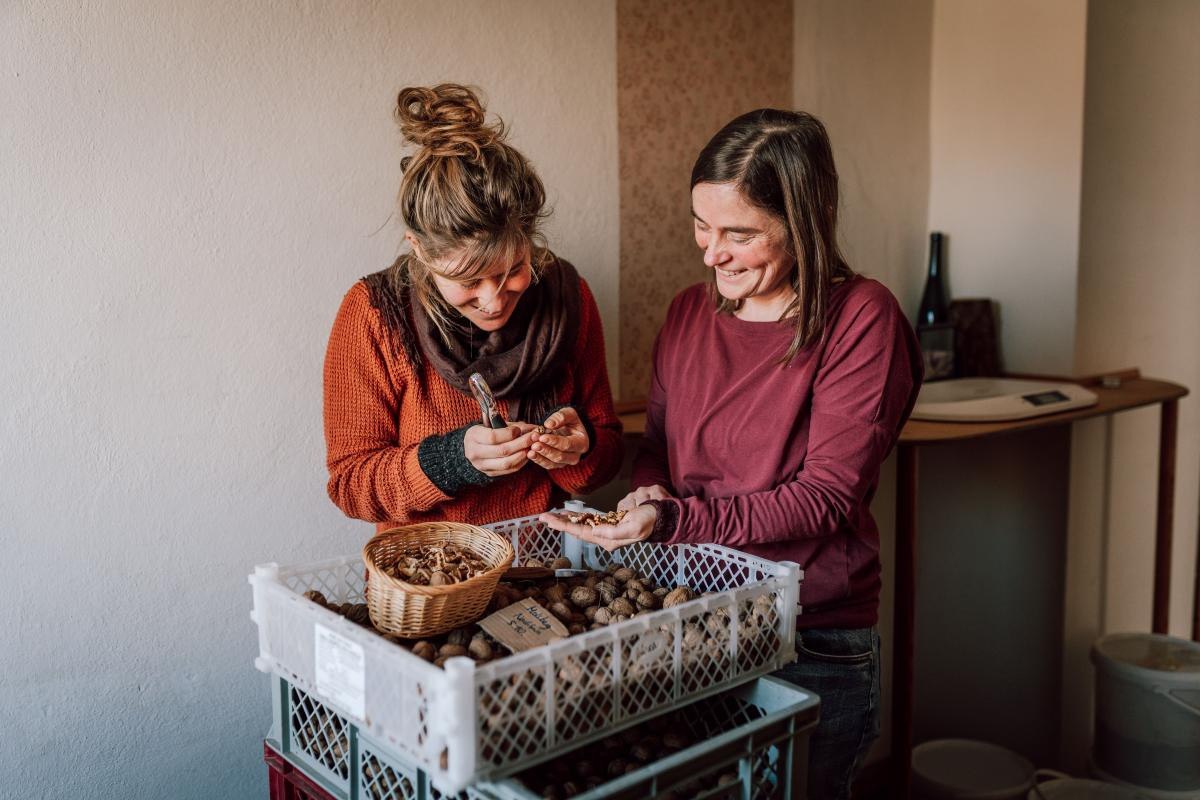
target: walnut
<point>673,740</point>
<point>603,616</point>
<point>480,649</point>
<point>622,607</point>
<point>693,636</point>
<point>607,592</point>
<point>678,596</point>
<point>556,593</point>
<point>635,585</point>
<point>647,600</point>
<point>533,562</point>
<point>764,609</point>
<point>583,597</point>
<point>359,614</point>
<point>661,591</point>
<point>459,636</point>
<point>716,625</point>
<point>589,613</point>
<point>623,574</point>
<point>425,650</point>
<point>451,650</point>
<point>316,597</point>
<point>561,562</point>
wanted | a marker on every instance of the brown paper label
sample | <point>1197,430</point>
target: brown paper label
<point>523,625</point>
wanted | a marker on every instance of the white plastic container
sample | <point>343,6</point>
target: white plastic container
<point>466,723</point>
<point>1063,787</point>
<point>1148,711</point>
<point>965,769</point>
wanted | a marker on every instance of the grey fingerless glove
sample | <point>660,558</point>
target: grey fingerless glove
<point>443,459</point>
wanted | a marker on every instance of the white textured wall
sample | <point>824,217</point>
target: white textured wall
<point>1139,289</point>
<point>863,68</point>
<point>1006,138</point>
<point>189,189</point>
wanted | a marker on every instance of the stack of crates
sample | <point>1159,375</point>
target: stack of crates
<point>356,716</point>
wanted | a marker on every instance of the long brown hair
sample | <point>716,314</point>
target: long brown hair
<point>782,162</point>
<point>466,195</point>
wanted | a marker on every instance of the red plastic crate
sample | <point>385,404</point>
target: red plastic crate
<point>289,783</point>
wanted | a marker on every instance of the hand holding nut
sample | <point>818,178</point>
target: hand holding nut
<point>561,442</point>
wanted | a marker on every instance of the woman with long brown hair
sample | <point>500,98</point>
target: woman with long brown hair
<point>778,389</point>
<point>479,292</point>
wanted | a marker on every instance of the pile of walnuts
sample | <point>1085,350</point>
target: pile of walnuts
<point>588,602</point>
<point>467,641</point>
<point>436,565</point>
<point>592,601</point>
<point>583,602</point>
<point>617,755</point>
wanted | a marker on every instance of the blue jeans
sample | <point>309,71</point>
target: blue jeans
<point>840,666</point>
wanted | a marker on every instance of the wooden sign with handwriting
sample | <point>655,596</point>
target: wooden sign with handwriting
<point>523,625</point>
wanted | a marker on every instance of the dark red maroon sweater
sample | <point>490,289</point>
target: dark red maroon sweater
<point>782,462</point>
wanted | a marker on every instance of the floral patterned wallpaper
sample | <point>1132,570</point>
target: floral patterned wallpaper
<point>684,69</point>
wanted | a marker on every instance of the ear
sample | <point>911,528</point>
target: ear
<point>412,242</point>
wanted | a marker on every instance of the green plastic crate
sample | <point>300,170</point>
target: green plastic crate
<point>758,732</point>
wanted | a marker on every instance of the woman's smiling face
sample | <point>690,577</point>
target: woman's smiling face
<point>747,249</point>
<point>488,298</point>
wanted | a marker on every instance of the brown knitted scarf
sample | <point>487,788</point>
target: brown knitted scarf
<point>522,361</point>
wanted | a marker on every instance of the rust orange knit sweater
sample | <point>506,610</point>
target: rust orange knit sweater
<point>377,414</point>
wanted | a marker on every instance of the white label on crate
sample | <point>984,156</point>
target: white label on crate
<point>340,671</point>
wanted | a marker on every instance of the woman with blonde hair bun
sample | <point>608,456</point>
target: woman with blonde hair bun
<point>479,291</point>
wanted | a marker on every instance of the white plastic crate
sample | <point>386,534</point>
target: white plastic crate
<point>466,723</point>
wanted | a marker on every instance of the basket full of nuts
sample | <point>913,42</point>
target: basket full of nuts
<point>430,578</point>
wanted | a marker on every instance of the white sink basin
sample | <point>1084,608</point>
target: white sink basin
<point>997,399</point>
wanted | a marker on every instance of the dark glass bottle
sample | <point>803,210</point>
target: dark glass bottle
<point>934,329</point>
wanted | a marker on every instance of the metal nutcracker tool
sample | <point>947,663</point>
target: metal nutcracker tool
<point>488,409</point>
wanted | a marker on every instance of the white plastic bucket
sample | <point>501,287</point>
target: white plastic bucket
<point>1148,711</point>
<point>1063,787</point>
<point>1141,791</point>
<point>965,769</point>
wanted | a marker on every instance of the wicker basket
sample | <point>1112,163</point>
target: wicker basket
<point>412,611</point>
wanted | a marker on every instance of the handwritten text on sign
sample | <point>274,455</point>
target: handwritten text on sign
<point>523,625</point>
